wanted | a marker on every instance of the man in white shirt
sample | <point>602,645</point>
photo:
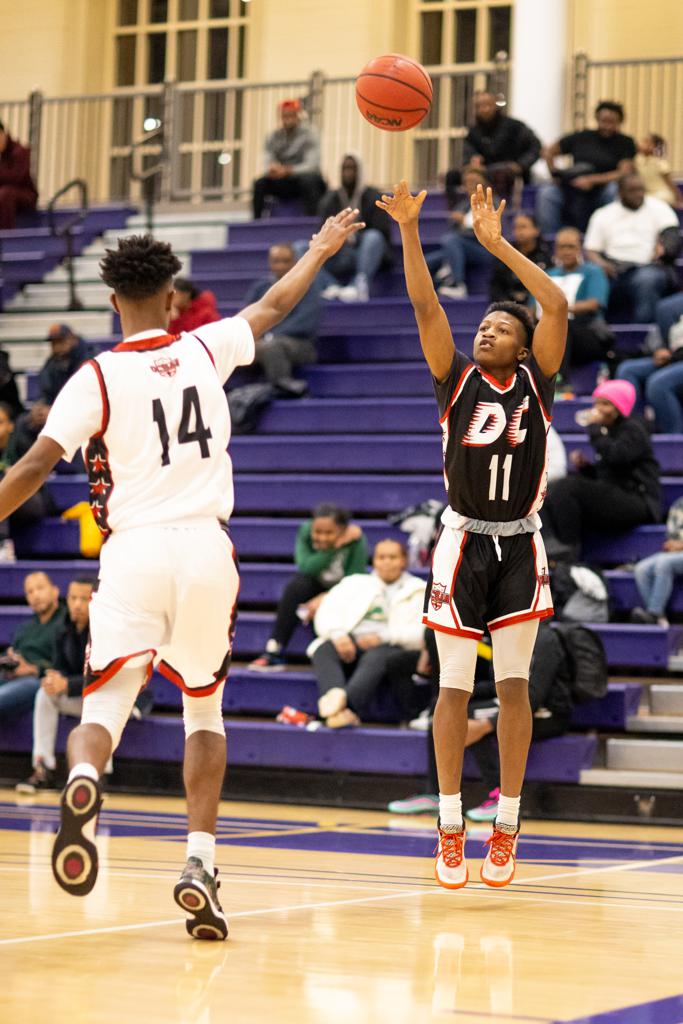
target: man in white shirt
<point>152,421</point>
<point>624,238</point>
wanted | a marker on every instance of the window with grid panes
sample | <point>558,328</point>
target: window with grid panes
<point>185,42</point>
<point>458,41</point>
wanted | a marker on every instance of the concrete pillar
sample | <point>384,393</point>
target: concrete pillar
<point>539,66</point>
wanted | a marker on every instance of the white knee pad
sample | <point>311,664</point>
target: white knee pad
<point>110,705</point>
<point>513,647</point>
<point>457,661</point>
<point>204,713</point>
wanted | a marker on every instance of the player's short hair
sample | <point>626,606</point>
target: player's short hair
<point>519,312</point>
<point>326,510</point>
<point>183,284</point>
<point>611,105</point>
<point>140,267</point>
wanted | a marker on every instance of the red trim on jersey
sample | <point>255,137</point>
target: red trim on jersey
<point>546,414</point>
<point>495,384</point>
<point>206,349</point>
<point>95,679</point>
<point>103,392</point>
<point>175,677</point>
<point>469,634</point>
<point>145,344</point>
<point>456,391</point>
<point>510,620</point>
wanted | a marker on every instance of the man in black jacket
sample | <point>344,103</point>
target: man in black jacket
<point>365,252</point>
<point>61,688</point>
<point>502,146</point>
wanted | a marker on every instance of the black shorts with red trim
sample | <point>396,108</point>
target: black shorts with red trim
<point>479,582</point>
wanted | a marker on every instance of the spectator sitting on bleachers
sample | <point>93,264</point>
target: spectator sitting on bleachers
<point>619,490</point>
<point>587,289</point>
<point>293,341</point>
<point>291,163</point>
<point>506,149</point>
<point>34,508</point>
<point>192,308</point>
<point>505,285</point>
<point>17,189</point>
<point>655,575</point>
<point>61,687</point>
<point>328,548</point>
<point>31,650</point>
<point>366,627</point>
<point>635,240</point>
<point>658,379</point>
<point>655,170</point>
<point>9,392</point>
<point>364,253</point>
<point>557,456</point>
<point>600,156</point>
<point>459,249</point>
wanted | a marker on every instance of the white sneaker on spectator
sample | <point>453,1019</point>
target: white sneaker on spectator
<point>443,274</point>
<point>332,702</point>
<point>362,287</point>
<point>422,722</point>
<point>331,292</point>
<point>349,293</point>
<point>454,291</point>
<point>7,553</point>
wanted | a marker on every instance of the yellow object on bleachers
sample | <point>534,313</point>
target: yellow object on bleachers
<point>90,536</point>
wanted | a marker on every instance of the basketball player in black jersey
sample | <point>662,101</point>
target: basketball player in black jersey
<point>489,568</point>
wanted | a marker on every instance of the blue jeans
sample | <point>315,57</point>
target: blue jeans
<point>655,579</point>
<point>364,258</point>
<point>460,252</point>
<point>667,313</point>
<point>17,695</point>
<point>639,290</point>
<point>551,205</point>
<point>662,389</point>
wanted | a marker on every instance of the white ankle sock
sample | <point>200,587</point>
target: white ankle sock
<point>84,768</point>
<point>450,811</point>
<point>508,811</point>
<point>203,846</point>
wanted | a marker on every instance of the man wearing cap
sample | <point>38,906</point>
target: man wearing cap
<point>291,162</point>
<point>616,487</point>
<point>17,190</point>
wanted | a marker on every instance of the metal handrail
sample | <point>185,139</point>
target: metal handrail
<point>146,177</point>
<point>66,231</point>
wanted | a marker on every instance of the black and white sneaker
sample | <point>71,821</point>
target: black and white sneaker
<point>74,855</point>
<point>196,892</point>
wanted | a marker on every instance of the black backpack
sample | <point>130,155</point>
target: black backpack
<point>246,405</point>
<point>587,661</point>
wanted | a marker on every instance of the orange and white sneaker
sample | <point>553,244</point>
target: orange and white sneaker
<point>498,868</point>
<point>451,866</point>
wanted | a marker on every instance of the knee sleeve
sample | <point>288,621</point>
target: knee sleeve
<point>204,713</point>
<point>457,661</point>
<point>110,705</point>
<point>513,647</point>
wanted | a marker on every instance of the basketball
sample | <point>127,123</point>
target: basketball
<point>393,92</point>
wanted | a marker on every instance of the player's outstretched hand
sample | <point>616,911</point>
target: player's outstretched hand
<point>335,232</point>
<point>486,221</point>
<point>402,206</point>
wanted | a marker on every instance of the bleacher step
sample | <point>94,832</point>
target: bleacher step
<point>630,754</point>
<point>631,779</point>
<point>655,723</point>
<point>666,700</point>
<point>55,295</point>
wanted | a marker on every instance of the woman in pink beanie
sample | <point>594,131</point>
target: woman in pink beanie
<point>615,489</point>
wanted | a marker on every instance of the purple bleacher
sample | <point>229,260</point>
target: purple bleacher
<point>51,536</point>
<point>61,573</point>
<point>383,750</point>
<point>269,231</point>
<point>612,711</point>
<point>621,548</point>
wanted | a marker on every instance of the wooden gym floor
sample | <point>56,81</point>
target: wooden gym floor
<point>335,918</point>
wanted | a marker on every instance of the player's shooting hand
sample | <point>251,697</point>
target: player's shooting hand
<point>402,206</point>
<point>335,231</point>
<point>487,221</point>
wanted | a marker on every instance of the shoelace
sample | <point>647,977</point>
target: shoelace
<point>452,845</point>
<point>501,844</point>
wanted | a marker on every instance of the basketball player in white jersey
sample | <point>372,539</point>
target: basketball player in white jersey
<point>489,569</point>
<point>152,421</point>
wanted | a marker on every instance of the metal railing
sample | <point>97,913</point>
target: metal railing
<point>65,230</point>
<point>650,91</point>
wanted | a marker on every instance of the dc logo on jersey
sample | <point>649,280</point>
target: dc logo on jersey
<point>165,367</point>
<point>438,596</point>
<point>489,422</point>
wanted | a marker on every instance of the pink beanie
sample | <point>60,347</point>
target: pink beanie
<point>621,393</point>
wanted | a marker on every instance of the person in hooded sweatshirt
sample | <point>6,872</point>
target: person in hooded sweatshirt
<point>192,308</point>
<point>366,252</point>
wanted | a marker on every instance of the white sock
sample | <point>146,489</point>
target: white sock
<point>203,846</point>
<point>450,812</point>
<point>508,811</point>
<point>84,768</point>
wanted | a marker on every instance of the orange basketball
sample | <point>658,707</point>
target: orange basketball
<point>393,92</point>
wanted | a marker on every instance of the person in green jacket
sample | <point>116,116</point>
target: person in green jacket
<point>328,547</point>
<point>31,651</point>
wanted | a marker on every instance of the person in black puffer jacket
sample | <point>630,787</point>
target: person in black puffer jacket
<point>616,490</point>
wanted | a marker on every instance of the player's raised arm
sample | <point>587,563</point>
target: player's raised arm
<point>435,333</point>
<point>290,289</point>
<point>550,336</point>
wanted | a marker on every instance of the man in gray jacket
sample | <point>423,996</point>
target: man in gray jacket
<point>292,163</point>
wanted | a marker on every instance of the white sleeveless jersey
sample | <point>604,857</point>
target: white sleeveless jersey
<point>153,423</point>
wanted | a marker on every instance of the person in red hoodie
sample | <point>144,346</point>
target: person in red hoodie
<point>17,190</point>
<point>191,308</point>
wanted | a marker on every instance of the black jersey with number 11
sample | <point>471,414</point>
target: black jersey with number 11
<point>495,439</point>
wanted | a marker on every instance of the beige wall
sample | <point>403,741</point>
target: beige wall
<point>613,29</point>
